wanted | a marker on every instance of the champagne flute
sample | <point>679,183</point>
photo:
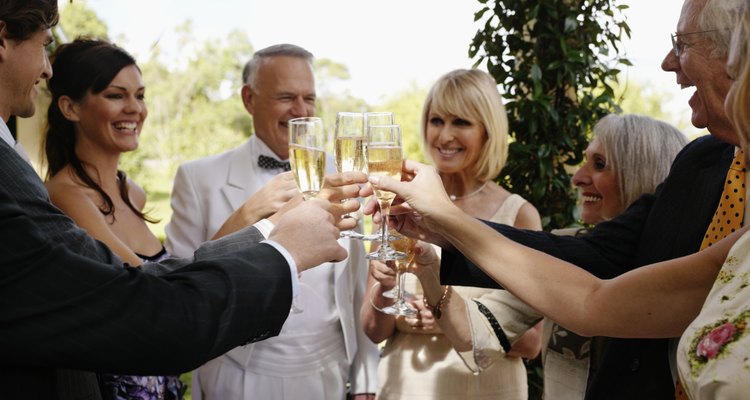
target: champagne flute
<point>349,150</point>
<point>406,245</point>
<point>307,155</point>
<point>307,158</point>
<point>378,118</point>
<point>384,159</point>
<point>374,118</point>
<point>394,292</point>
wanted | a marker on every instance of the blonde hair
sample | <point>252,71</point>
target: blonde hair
<point>472,94</point>
<point>640,151</point>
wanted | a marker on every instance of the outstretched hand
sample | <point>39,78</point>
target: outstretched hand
<point>425,261</point>
<point>309,233</point>
<point>339,187</point>
<point>384,273</point>
<point>420,197</point>
<point>275,196</point>
<point>336,188</point>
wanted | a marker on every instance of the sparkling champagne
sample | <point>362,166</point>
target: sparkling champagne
<point>309,167</point>
<point>384,160</point>
<point>350,153</point>
<point>405,245</point>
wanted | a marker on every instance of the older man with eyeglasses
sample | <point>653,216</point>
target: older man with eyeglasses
<point>671,223</point>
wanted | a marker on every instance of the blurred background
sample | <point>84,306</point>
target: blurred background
<point>369,56</point>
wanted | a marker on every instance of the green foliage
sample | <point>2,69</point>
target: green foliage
<point>328,74</point>
<point>645,98</point>
<point>407,110</point>
<point>552,59</point>
<point>194,111</point>
<point>78,19</point>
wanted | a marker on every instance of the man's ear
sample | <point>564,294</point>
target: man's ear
<point>4,41</point>
<point>68,108</point>
<point>247,97</point>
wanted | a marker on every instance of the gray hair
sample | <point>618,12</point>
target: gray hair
<point>250,71</point>
<point>717,19</point>
<point>640,151</point>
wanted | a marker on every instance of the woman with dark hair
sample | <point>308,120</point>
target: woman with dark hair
<point>96,114</point>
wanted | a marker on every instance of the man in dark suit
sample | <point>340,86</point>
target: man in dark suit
<point>67,302</point>
<point>668,224</point>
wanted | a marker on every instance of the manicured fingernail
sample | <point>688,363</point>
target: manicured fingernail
<point>374,180</point>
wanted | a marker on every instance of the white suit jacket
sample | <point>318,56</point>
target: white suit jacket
<point>208,190</point>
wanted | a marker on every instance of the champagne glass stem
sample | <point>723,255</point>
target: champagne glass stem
<point>399,287</point>
<point>385,251</point>
<point>385,210</point>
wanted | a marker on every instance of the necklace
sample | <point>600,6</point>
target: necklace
<point>453,197</point>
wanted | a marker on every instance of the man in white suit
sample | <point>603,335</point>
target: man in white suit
<point>322,348</point>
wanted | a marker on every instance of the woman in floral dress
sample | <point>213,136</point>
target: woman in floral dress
<point>96,114</point>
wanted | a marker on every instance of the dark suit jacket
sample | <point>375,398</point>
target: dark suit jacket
<point>67,302</point>
<point>669,224</point>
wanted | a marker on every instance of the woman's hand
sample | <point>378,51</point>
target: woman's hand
<point>425,261</point>
<point>421,188</point>
<point>384,273</point>
<point>421,196</point>
<point>424,321</point>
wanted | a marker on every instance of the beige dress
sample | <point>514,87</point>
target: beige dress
<point>420,366</point>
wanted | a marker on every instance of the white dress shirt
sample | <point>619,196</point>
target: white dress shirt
<point>317,350</point>
<point>5,134</point>
<point>8,138</point>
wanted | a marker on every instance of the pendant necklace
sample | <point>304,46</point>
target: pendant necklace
<point>453,197</point>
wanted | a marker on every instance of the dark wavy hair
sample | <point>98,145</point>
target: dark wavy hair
<point>23,18</point>
<point>80,67</point>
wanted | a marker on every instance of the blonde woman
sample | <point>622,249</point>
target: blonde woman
<point>465,132</point>
<point>609,180</point>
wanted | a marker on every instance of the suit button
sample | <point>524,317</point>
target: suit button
<point>635,364</point>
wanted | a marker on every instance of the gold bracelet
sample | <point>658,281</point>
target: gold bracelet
<point>436,311</point>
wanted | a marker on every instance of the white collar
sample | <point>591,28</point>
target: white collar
<point>260,147</point>
<point>5,134</point>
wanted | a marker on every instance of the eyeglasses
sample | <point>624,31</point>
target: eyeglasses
<point>676,47</point>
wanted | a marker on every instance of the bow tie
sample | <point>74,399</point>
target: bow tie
<point>272,163</point>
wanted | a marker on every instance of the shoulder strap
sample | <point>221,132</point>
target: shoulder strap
<point>508,211</point>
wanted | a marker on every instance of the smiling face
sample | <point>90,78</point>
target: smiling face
<point>284,89</point>
<point>454,143</point>
<point>697,68</point>
<point>25,63</point>
<point>111,120</point>
<point>597,182</point>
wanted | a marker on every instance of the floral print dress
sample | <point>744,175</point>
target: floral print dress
<point>714,352</point>
<point>130,387</point>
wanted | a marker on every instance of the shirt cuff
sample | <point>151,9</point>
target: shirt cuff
<point>264,226</point>
<point>290,261</point>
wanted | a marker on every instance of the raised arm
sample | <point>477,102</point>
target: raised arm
<point>64,310</point>
<point>268,200</point>
<point>654,301</point>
